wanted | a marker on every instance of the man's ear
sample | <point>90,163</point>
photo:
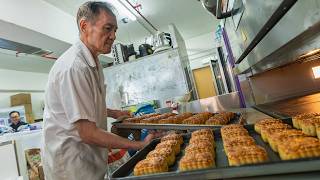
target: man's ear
<point>83,24</point>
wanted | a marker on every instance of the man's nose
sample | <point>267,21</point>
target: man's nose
<point>112,35</point>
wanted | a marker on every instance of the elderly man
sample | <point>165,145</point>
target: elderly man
<point>75,140</point>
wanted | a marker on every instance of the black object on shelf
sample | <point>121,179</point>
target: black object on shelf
<point>145,49</point>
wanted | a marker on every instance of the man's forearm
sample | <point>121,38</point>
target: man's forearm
<point>91,134</point>
<point>117,113</point>
<point>113,141</point>
<point>111,113</point>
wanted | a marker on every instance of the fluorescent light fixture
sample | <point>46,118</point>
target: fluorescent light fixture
<point>121,8</point>
<point>316,72</point>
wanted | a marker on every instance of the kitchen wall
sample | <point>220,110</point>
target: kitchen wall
<point>41,17</point>
<point>201,49</point>
<point>13,82</point>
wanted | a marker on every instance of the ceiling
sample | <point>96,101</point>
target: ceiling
<point>188,15</point>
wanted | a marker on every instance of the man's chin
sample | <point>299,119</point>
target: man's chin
<point>106,50</point>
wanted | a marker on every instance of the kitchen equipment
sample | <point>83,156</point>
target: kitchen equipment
<point>216,8</point>
<point>162,41</point>
<point>210,5</point>
<point>145,49</point>
<point>120,53</point>
<point>130,50</point>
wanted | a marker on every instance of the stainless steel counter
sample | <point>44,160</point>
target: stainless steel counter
<point>251,115</point>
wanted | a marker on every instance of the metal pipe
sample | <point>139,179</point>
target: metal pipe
<point>144,18</point>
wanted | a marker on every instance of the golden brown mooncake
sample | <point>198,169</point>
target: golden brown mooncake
<point>232,127</point>
<point>234,134</point>
<point>296,120</point>
<point>173,136</point>
<point>264,122</point>
<point>200,147</point>
<point>149,115</point>
<point>217,120</point>
<point>308,126</point>
<point>193,161</point>
<point>200,139</point>
<point>202,133</point>
<point>133,120</point>
<point>183,116</point>
<point>176,119</point>
<point>150,166</point>
<point>230,115</point>
<point>238,142</point>
<point>247,155</point>
<point>174,145</point>
<point>194,120</point>
<point>299,147</point>
<point>167,153</point>
<point>205,115</point>
<point>282,136</point>
<point>269,129</point>
<point>318,130</point>
<point>168,120</point>
<point>151,120</point>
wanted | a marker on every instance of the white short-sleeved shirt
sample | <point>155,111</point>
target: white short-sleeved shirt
<point>75,90</point>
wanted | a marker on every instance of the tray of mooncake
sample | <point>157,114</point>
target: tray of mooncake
<point>270,147</point>
<point>184,121</point>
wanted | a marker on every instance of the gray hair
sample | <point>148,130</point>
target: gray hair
<point>91,9</point>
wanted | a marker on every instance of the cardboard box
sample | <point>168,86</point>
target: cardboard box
<point>19,99</point>
<point>29,118</point>
<point>27,108</point>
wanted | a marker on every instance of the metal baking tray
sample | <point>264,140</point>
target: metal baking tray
<point>239,118</point>
<point>222,170</point>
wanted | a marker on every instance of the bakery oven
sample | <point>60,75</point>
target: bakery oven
<point>276,47</point>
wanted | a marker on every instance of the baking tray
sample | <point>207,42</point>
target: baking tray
<point>118,124</point>
<point>222,169</point>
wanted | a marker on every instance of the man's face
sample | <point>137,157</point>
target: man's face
<point>102,33</point>
<point>15,118</point>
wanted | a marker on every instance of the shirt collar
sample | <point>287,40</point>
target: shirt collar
<point>87,54</point>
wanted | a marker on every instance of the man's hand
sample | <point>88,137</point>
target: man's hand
<point>152,135</point>
<point>123,113</point>
<point>118,113</point>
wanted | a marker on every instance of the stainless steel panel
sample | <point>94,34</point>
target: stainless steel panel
<point>156,77</point>
<point>304,43</point>
<point>221,102</point>
<point>290,81</point>
<point>302,16</point>
<point>246,89</point>
<point>255,15</point>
